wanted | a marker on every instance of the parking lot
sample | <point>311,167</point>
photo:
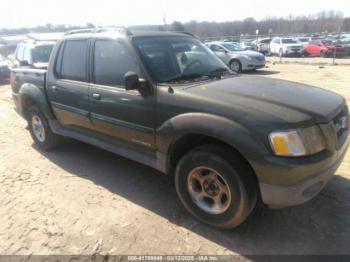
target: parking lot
<point>79,199</point>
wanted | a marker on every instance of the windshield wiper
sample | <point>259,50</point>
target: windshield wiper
<point>185,77</point>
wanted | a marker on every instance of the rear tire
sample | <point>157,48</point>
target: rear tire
<point>40,129</point>
<point>216,186</point>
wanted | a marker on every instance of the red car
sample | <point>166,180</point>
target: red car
<point>323,48</point>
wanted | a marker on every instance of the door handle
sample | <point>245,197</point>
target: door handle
<point>54,88</point>
<point>96,96</point>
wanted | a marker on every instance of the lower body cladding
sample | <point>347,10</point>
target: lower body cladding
<point>281,196</point>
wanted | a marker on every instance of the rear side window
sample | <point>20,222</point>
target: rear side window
<point>111,61</point>
<point>73,62</point>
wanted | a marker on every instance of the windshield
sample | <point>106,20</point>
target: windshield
<point>41,54</point>
<point>169,58</point>
<point>289,41</point>
<point>232,47</point>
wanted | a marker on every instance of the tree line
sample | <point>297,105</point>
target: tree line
<point>323,22</point>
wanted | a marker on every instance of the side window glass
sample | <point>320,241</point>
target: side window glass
<point>26,54</point>
<point>19,55</point>
<point>111,61</point>
<point>73,64</point>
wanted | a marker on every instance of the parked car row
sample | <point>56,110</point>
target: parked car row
<point>236,58</point>
<point>324,46</point>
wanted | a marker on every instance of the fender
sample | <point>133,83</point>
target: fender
<point>39,97</point>
<point>221,128</point>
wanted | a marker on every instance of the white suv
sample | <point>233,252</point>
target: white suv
<point>286,47</point>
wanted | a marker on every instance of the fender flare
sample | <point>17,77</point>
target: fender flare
<point>38,95</point>
<point>214,126</point>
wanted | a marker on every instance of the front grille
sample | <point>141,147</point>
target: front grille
<point>341,124</point>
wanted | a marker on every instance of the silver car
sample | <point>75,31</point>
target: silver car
<point>236,58</point>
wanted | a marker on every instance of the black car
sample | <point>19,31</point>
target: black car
<point>167,101</point>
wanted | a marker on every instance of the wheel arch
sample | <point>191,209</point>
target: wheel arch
<point>29,95</point>
<point>184,132</point>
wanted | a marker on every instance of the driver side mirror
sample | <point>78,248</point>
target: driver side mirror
<point>134,82</point>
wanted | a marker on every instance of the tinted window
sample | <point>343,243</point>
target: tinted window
<point>216,48</point>
<point>74,60</point>
<point>111,61</point>
<point>41,54</point>
<point>289,41</point>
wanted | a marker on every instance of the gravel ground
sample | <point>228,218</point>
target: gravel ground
<point>79,199</point>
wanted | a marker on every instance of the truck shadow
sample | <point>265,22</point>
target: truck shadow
<point>321,226</point>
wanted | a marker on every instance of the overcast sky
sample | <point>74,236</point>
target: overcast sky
<point>18,13</point>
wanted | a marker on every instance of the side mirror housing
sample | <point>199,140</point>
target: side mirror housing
<point>134,82</point>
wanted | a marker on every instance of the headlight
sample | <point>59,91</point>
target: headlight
<point>301,142</point>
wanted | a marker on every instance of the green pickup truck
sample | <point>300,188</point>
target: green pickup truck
<point>165,100</point>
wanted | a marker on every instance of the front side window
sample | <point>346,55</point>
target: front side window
<point>73,64</point>
<point>232,47</point>
<point>289,41</point>
<point>169,58</point>
<point>216,48</point>
<point>111,61</point>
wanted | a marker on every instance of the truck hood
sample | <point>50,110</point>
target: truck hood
<point>263,100</point>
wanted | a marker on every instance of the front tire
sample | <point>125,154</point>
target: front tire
<point>216,186</point>
<point>236,66</point>
<point>40,129</point>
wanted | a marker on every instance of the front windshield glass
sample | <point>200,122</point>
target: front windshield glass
<point>232,47</point>
<point>41,54</point>
<point>289,41</point>
<point>170,58</point>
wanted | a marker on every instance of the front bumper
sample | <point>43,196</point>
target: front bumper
<point>292,181</point>
<point>276,196</point>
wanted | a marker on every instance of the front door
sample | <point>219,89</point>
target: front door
<point>121,115</point>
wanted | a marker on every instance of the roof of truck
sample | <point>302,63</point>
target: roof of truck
<point>120,33</point>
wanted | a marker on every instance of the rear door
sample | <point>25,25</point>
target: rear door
<point>122,115</point>
<point>68,85</point>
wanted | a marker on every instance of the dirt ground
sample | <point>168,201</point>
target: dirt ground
<point>79,199</point>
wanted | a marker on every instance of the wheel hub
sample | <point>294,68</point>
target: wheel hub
<point>209,190</point>
<point>210,187</point>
